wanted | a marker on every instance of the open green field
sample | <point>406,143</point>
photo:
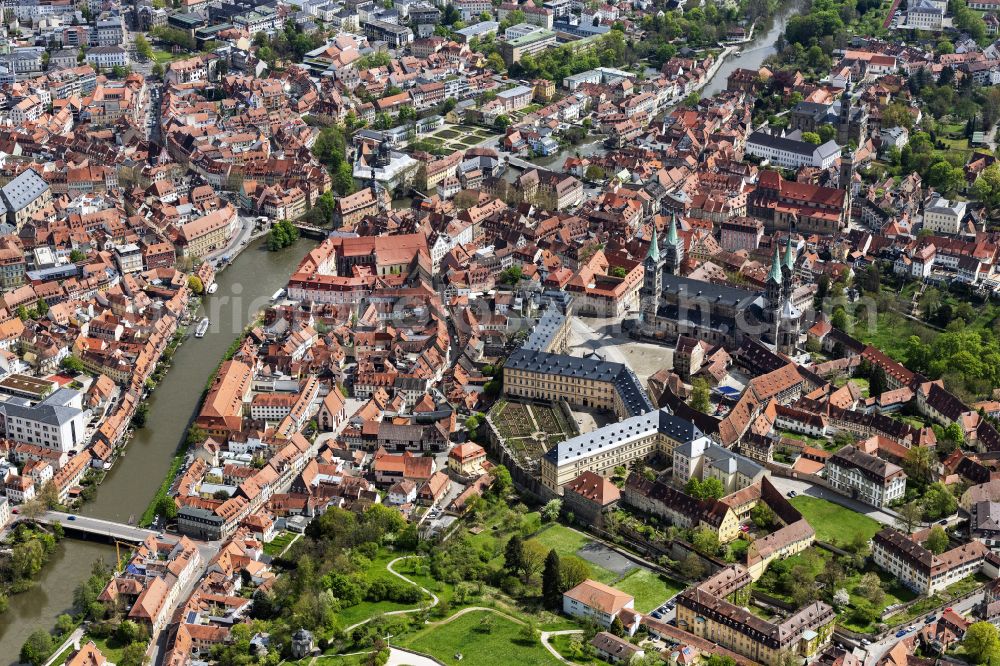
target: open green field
<point>474,639</point>
<point>569,646</point>
<point>278,543</point>
<point>163,57</point>
<point>377,570</point>
<point>567,541</point>
<point>649,588</point>
<point>832,522</point>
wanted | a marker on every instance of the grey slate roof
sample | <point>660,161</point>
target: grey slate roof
<point>23,189</point>
<point>616,434</point>
<point>726,460</point>
<point>53,410</point>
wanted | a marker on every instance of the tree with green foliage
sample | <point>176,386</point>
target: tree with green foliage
<point>72,364</point>
<point>986,187</point>
<point>945,178</point>
<point>76,256</point>
<point>937,540</point>
<point>705,541</point>
<point>166,507</point>
<point>573,571</point>
<point>908,516</point>
<point>512,275</point>
<point>877,382</point>
<point>513,555</point>
<point>552,582</point>
<point>343,179</point>
<point>282,234</point>
<point>699,399</point>
<point>129,632</point>
<point>37,648</point>
<point>897,114</point>
<point>133,654</point>
<point>811,137</point>
<point>617,628</point>
<point>142,47</point>
<point>327,205</point>
<point>65,624</point>
<point>551,510</point>
<point>719,660</point>
<point>712,489</point>
<point>840,320</point>
<point>502,482</point>
<point>763,516</point>
<point>982,643</point>
<point>939,502</point>
<point>195,284</point>
<point>692,567</point>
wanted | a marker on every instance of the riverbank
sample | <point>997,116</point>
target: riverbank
<point>245,286</point>
<point>178,460</point>
<point>753,51</point>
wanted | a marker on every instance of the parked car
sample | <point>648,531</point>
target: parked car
<point>792,493</point>
<point>929,619</point>
<point>656,615</point>
<point>943,521</point>
<point>900,633</point>
<point>70,517</point>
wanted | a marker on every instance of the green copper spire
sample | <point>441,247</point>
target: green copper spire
<point>672,233</point>
<point>654,247</point>
<point>789,257</point>
<point>775,274</point>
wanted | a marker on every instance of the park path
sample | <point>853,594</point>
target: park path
<point>73,640</point>
<point>555,653</point>
<point>475,609</point>
<point>434,598</point>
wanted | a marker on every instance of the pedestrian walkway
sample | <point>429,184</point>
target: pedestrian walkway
<point>73,640</point>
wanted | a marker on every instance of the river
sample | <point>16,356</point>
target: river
<point>245,287</point>
<point>753,53</point>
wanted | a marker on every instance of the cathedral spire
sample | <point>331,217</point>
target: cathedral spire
<point>789,257</point>
<point>672,233</point>
<point>654,247</point>
<point>775,274</point>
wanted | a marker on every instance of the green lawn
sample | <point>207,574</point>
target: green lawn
<point>933,602</point>
<point>832,522</point>
<point>278,543</point>
<point>817,442</point>
<point>649,588</point>
<point>567,541</point>
<point>366,609</point>
<point>163,57</point>
<point>564,645</point>
<point>111,648</point>
<point>501,645</point>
